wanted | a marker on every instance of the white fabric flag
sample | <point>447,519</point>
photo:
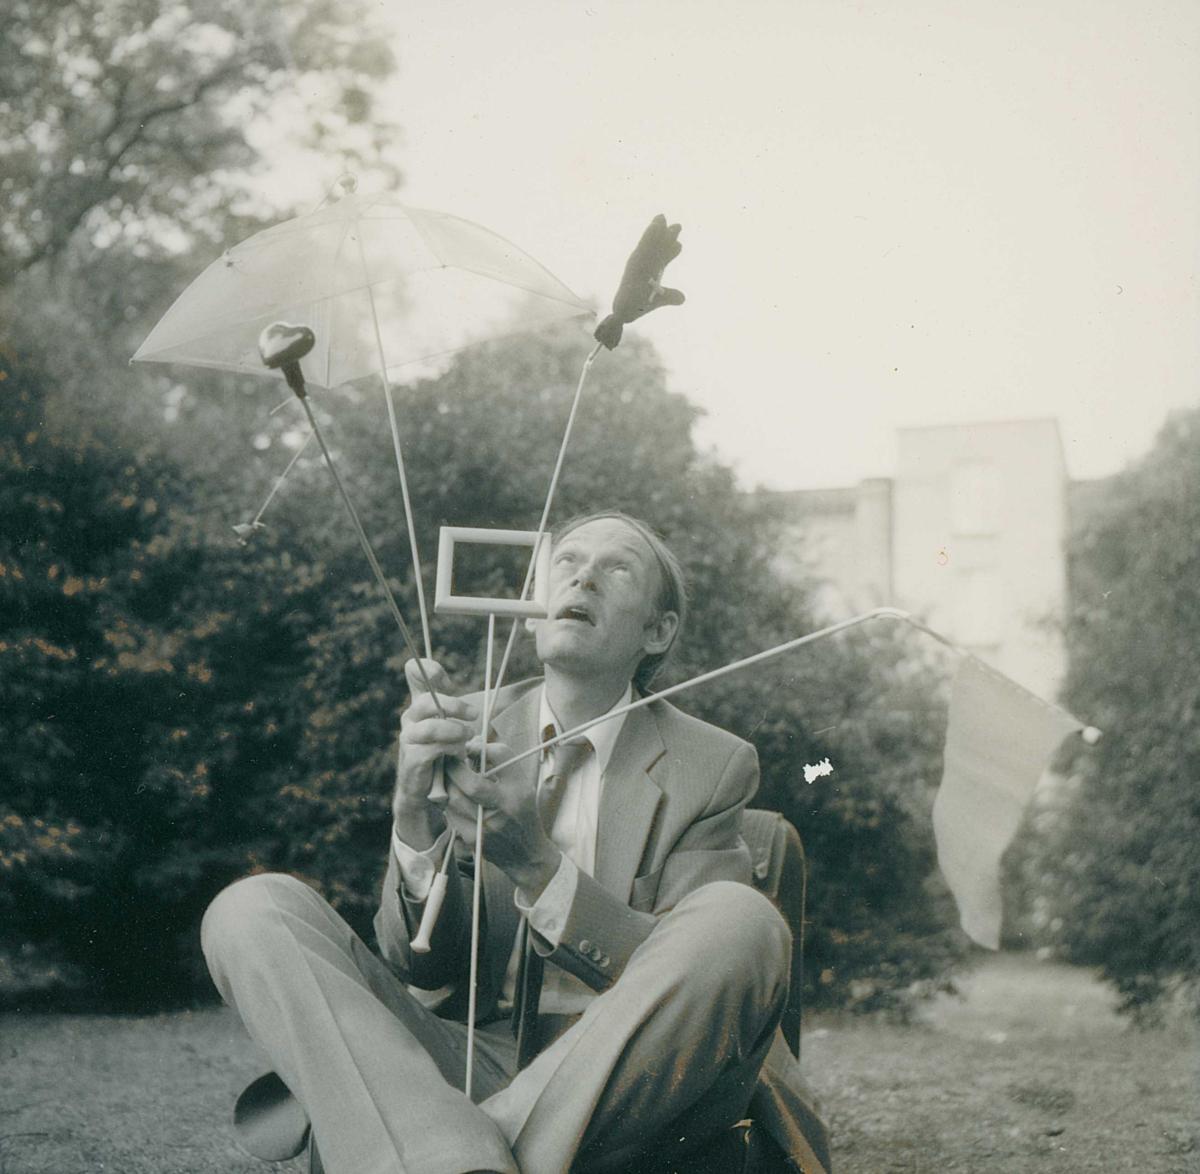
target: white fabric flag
<point>998,741</point>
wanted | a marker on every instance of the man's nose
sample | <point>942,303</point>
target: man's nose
<point>585,575</point>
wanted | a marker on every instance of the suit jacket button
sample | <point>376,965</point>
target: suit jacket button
<point>605,961</point>
<point>585,947</point>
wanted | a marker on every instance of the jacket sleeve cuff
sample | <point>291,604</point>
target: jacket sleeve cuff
<point>418,868</point>
<point>548,914</point>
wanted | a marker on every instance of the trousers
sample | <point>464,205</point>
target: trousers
<point>668,1055</point>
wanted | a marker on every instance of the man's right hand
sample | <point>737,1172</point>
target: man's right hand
<point>425,738</point>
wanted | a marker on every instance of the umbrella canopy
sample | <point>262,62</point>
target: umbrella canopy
<point>379,283</point>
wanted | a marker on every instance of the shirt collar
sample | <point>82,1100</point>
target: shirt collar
<point>602,736</point>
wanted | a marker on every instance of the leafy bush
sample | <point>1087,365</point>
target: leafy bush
<point>146,698</point>
<point>1122,874</point>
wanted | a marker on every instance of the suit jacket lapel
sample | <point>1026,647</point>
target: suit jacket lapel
<point>628,803</point>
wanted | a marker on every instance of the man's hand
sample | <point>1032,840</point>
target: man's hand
<point>514,838</point>
<point>426,739</point>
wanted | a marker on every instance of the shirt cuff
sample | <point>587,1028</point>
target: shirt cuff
<point>548,914</point>
<point>417,869</point>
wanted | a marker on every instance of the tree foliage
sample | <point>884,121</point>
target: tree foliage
<point>146,706</point>
<point>1122,874</point>
<point>127,120</point>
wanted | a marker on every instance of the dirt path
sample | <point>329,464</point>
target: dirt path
<point>1030,1074</point>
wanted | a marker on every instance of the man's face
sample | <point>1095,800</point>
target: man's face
<point>603,615</point>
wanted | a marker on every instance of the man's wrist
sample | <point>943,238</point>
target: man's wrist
<point>533,877</point>
<point>418,824</point>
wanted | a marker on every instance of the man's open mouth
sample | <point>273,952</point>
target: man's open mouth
<point>576,613</point>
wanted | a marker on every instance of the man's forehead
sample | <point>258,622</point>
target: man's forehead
<point>608,532</point>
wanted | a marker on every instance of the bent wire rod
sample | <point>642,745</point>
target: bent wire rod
<point>369,551</point>
<point>541,530</point>
<point>879,613</point>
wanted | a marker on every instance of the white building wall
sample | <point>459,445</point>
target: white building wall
<point>978,527</point>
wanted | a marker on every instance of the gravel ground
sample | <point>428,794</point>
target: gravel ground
<point>1029,1072</point>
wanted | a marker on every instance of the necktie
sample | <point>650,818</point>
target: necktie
<point>564,760</point>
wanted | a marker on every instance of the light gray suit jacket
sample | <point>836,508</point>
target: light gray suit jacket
<point>670,818</point>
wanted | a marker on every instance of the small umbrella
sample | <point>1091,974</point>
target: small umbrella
<point>382,286</point>
<point>380,283</point>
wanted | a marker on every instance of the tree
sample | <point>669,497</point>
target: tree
<point>146,703</point>
<point>1122,888</point>
<point>149,688</point>
<point>127,120</point>
<point>133,135</point>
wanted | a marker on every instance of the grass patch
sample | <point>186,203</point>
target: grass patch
<point>1029,1071</point>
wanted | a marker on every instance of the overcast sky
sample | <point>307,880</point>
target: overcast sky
<point>894,213</point>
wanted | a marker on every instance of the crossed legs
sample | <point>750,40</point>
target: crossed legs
<point>675,1044</point>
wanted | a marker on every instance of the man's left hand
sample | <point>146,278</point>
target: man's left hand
<point>514,838</point>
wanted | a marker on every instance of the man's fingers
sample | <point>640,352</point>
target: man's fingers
<point>497,752</point>
<point>461,824</point>
<point>423,706</point>
<point>461,779</point>
<point>436,731</point>
<point>433,670</point>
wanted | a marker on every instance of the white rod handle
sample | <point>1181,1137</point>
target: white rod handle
<point>437,789</point>
<point>433,906</point>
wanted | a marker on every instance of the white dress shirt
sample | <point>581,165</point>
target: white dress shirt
<point>574,833</point>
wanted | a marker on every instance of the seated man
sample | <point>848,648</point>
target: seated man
<point>621,938</point>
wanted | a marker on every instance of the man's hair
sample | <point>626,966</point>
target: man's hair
<point>672,586</point>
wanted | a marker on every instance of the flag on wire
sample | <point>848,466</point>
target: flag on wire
<point>998,742</point>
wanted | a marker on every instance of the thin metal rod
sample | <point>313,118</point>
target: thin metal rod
<point>476,892</point>
<point>879,613</point>
<point>395,429</point>
<point>541,530</point>
<point>365,543</point>
<point>281,479</point>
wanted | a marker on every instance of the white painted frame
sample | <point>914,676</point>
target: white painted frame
<point>447,603</point>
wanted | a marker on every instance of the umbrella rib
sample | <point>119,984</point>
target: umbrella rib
<point>573,299</point>
<point>463,220</point>
<point>394,426</point>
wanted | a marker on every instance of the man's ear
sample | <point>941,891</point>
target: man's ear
<point>660,632</point>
